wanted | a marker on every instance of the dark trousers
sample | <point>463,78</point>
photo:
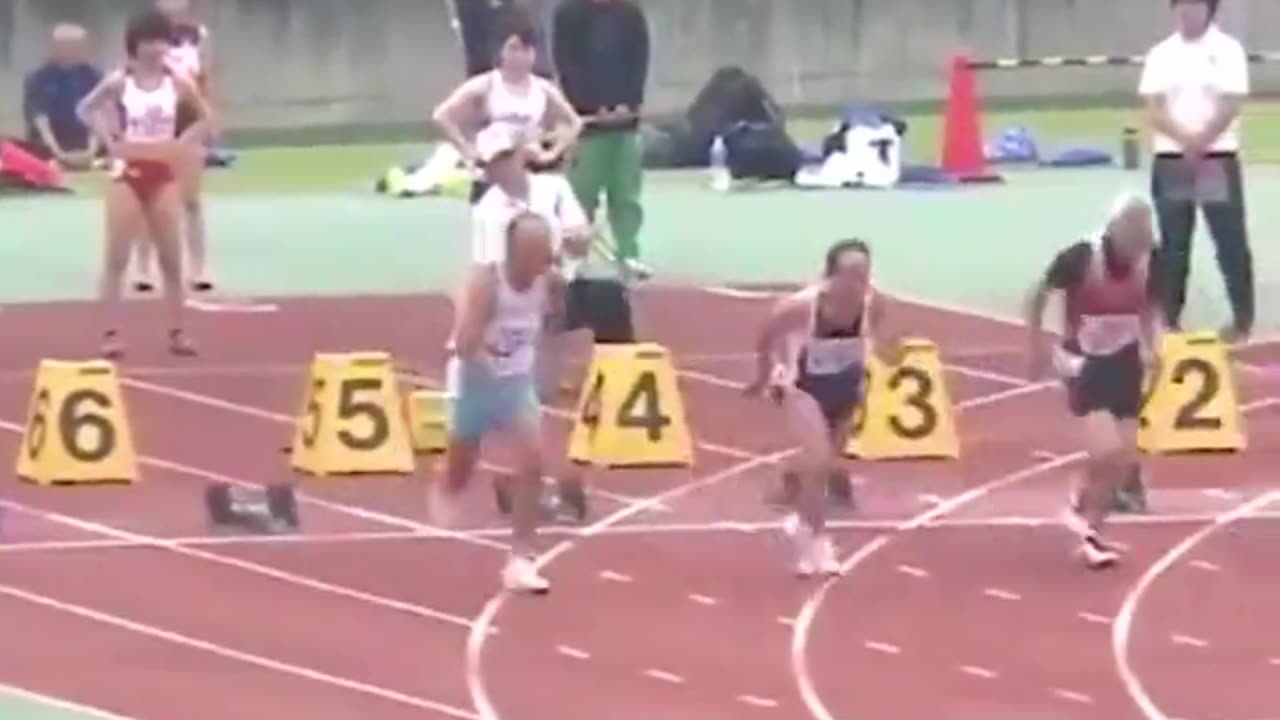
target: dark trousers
<point>1176,211</point>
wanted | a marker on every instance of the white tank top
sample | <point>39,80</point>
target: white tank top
<point>510,339</point>
<point>521,109</point>
<point>149,115</point>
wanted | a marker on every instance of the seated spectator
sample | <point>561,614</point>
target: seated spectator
<point>50,96</point>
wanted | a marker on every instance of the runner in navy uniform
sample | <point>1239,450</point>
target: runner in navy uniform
<point>812,355</point>
<point>1112,320</point>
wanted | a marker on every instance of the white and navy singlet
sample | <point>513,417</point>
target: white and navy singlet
<point>831,360</point>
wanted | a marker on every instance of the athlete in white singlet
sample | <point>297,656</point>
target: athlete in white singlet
<point>1112,320</point>
<point>187,58</point>
<point>492,385</point>
<point>135,114</point>
<point>511,95</point>
<point>812,355</point>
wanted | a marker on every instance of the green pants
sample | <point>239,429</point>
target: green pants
<point>611,162</point>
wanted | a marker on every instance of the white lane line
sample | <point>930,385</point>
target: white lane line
<point>664,676</point>
<point>800,671</point>
<point>573,652</point>
<point>978,671</point>
<point>612,576</point>
<point>1094,618</point>
<point>1122,628</point>
<point>350,510</point>
<point>1205,565</point>
<point>884,647</point>
<point>1220,494</point>
<point>1188,640</point>
<point>243,565</point>
<point>230,653</point>
<point>757,701</point>
<point>1072,696</point>
<point>1001,594</point>
<point>913,571</point>
<point>703,599</point>
<point>475,675</point>
<point>784,620</point>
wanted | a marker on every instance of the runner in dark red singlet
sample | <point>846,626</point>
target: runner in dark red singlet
<point>1112,318</point>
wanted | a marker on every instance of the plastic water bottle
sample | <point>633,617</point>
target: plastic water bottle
<point>721,180</point>
<point>1129,150</point>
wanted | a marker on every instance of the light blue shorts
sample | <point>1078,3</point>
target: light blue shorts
<point>480,402</point>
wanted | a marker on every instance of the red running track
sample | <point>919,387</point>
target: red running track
<point>948,609</point>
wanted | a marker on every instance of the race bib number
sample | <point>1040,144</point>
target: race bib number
<point>511,350</point>
<point>829,357</point>
<point>1105,334</point>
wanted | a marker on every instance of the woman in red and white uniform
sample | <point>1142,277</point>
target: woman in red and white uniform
<point>1110,330</point>
<point>188,57</point>
<point>135,113</point>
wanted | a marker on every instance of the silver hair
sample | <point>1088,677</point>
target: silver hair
<point>1127,203</point>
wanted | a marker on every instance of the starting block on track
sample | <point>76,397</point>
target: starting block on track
<point>274,510</point>
<point>1191,403</point>
<point>906,413</point>
<point>77,430</point>
<point>352,420</point>
<point>427,412</point>
<point>630,413</point>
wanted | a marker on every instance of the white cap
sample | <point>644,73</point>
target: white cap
<point>494,141</point>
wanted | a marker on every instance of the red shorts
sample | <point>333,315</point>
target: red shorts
<point>144,177</point>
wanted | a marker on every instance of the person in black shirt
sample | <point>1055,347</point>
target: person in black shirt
<point>1112,317</point>
<point>601,50</point>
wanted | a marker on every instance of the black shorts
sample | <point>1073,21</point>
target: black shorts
<point>602,306</point>
<point>837,395</point>
<point>1108,383</point>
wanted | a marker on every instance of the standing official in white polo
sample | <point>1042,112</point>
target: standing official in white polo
<point>1193,83</point>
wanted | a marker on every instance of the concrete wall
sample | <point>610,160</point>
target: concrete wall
<point>322,62</point>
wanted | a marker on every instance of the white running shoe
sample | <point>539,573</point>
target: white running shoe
<point>1097,555</point>
<point>801,539</point>
<point>520,574</point>
<point>824,558</point>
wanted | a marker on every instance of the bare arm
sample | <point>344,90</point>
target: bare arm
<point>475,310</point>
<point>787,315</point>
<point>886,338</point>
<point>565,123</point>
<point>1227,110</point>
<point>450,115</point>
<point>90,109</point>
<point>1158,118</point>
<point>1037,300</point>
<point>190,95</point>
<point>41,123</point>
